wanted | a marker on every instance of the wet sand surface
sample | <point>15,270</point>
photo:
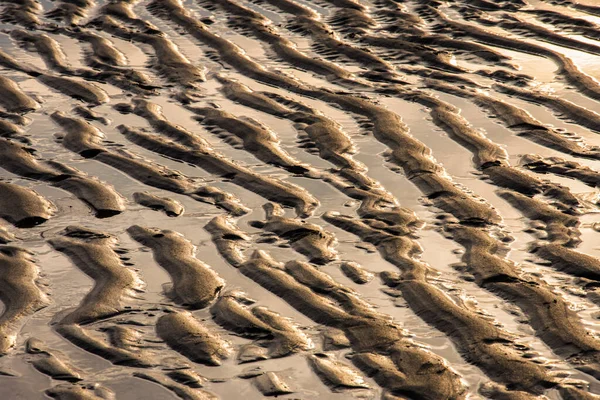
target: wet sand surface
<point>371,199</point>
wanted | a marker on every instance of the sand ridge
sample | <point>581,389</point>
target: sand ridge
<point>303,199</point>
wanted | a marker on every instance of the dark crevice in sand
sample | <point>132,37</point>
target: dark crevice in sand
<point>70,12</point>
<point>21,12</point>
<point>567,23</point>
<point>562,167</point>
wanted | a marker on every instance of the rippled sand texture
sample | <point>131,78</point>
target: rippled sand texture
<point>374,199</point>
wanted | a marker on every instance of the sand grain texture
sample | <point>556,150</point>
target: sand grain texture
<point>299,199</point>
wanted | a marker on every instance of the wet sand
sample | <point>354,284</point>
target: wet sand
<point>375,199</point>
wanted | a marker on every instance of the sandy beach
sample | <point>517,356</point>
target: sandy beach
<point>301,199</point>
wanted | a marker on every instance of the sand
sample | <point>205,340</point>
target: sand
<point>378,199</point>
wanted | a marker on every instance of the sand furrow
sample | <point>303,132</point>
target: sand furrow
<point>562,227</point>
<point>255,137</point>
<point>50,362</point>
<point>263,29</point>
<point>361,114</point>
<point>589,9</point>
<point>416,161</point>
<point>522,122</point>
<point>195,284</point>
<point>55,59</point>
<point>388,128</point>
<point>21,12</point>
<point>92,252</point>
<point>370,336</point>
<point>335,373</point>
<point>86,140</point>
<point>70,12</point>
<point>519,25</point>
<point>19,292</point>
<point>171,207</point>
<point>306,238</point>
<point>273,336</point>
<point>183,333</point>
<point>75,88</point>
<point>101,197</point>
<point>565,108</point>
<point>84,391</point>
<point>490,158</point>
<point>330,44</point>
<point>168,61</point>
<point>431,183</point>
<point>547,312</point>
<point>181,391</point>
<point>585,83</point>
<point>481,342</point>
<point>567,23</point>
<point>333,145</point>
<point>272,189</point>
<point>560,166</point>
<point>22,207</point>
<point>13,99</point>
<point>111,63</point>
